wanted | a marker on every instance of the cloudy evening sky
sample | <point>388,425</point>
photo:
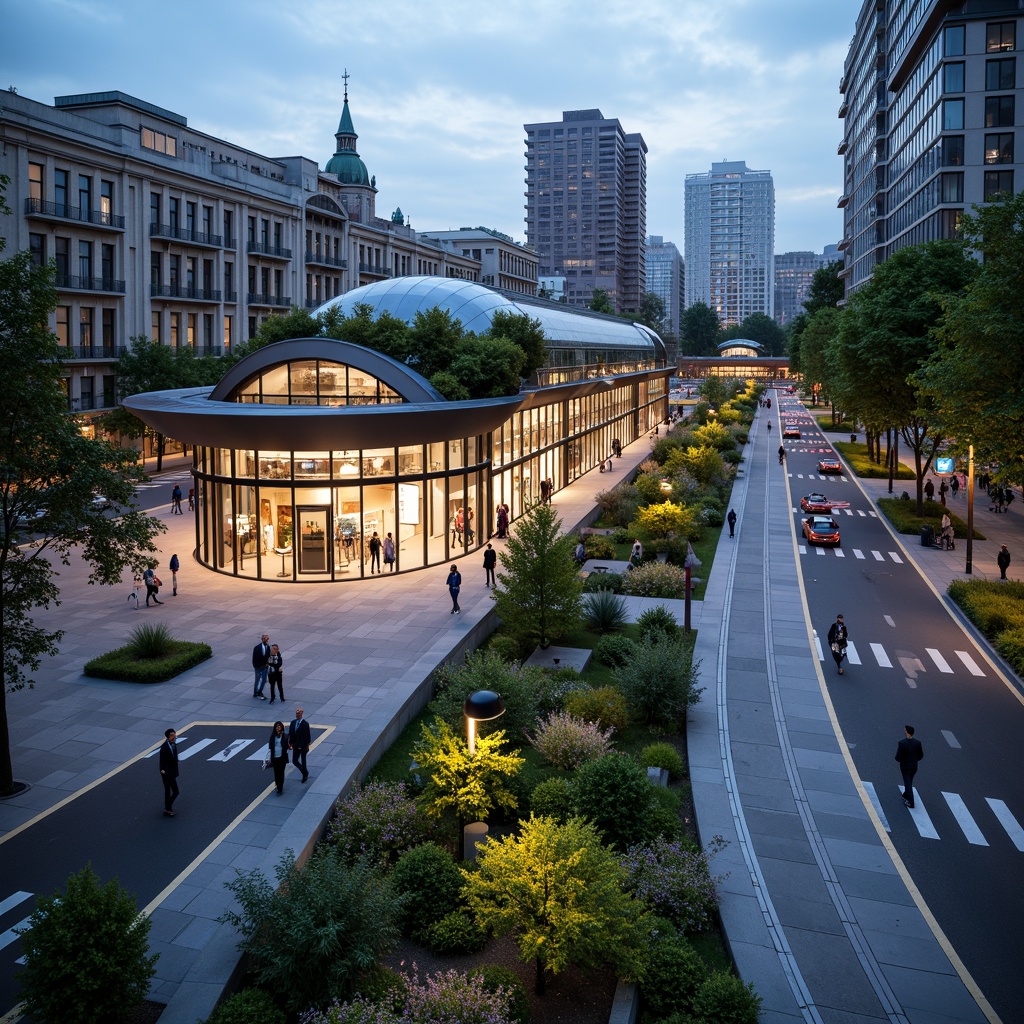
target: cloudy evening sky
<point>440,91</point>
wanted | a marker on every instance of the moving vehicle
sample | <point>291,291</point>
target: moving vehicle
<point>791,430</point>
<point>830,465</point>
<point>815,502</point>
<point>821,530</point>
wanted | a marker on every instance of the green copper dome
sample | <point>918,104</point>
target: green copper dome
<point>345,163</point>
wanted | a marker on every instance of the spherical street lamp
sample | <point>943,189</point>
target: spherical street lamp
<point>481,706</point>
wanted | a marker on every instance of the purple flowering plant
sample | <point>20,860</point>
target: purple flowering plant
<point>568,742</point>
<point>379,821</point>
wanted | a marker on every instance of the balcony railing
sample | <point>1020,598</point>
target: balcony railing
<point>259,299</point>
<point>262,249</point>
<point>93,351</point>
<point>185,235</point>
<point>41,208</point>
<point>326,261</point>
<point>177,291</point>
<point>70,282</point>
<point>371,268</point>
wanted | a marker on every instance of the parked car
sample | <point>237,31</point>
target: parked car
<point>830,466</point>
<point>821,530</point>
<point>791,430</point>
<point>815,503</point>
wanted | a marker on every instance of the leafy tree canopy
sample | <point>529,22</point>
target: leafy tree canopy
<point>700,330</point>
<point>763,329</point>
<point>601,302</point>
<point>525,332</point>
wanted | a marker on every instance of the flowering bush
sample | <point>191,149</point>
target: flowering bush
<point>655,579</point>
<point>568,742</point>
<point>606,705</point>
<point>378,821</point>
<point>675,881</point>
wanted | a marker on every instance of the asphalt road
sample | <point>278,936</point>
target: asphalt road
<point>911,663</point>
<point>118,827</point>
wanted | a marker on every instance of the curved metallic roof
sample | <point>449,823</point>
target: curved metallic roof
<point>474,305</point>
<point>739,343</point>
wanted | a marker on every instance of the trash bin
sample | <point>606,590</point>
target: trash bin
<point>927,536</point>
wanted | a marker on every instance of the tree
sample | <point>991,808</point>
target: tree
<point>827,288</point>
<point>433,341</point>
<point>819,331</point>
<point>298,323</point>
<point>524,332</point>
<point>313,935</point>
<point>48,468</point>
<point>763,329</point>
<point>712,390</point>
<point>559,891</point>
<point>601,302</point>
<point>539,592</point>
<point>487,367</point>
<point>699,330</point>
<point>665,518</point>
<point>651,313</point>
<point>974,376</point>
<point>85,954</point>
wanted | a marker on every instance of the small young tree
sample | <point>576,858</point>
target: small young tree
<point>559,891</point>
<point>665,518</point>
<point>539,592</point>
<point>85,954</point>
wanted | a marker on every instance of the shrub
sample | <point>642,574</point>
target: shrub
<point>674,974</point>
<point>122,664</point>
<point>444,998</point>
<point>657,620</point>
<point>620,535</point>
<point>310,936</point>
<point>619,505</point>
<point>456,932</point>
<point>568,742</point>
<point>250,1006</point>
<point>604,611</point>
<point>615,795</point>
<point>377,821</point>
<point>150,641</point>
<point>655,579</point>
<point>724,999</point>
<point>664,517</point>
<point>552,798</point>
<point>85,953</point>
<point>659,683</point>
<point>359,1011</point>
<point>604,705</point>
<point>430,882</point>
<point>665,807</point>
<point>711,517</point>
<point>675,881</point>
<point>505,647</point>
<point>663,755</point>
<point>1010,644</point>
<point>648,488</point>
<point>597,546</point>
<point>554,688</point>
<point>614,650</point>
<point>493,976</point>
<point>603,581</point>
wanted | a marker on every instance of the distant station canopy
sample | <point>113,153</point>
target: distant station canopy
<point>740,348</point>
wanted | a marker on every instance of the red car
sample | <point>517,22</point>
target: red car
<point>821,530</point>
<point>815,503</point>
<point>791,431</point>
<point>829,466</point>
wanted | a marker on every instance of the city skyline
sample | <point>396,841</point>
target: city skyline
<point>440,97</point>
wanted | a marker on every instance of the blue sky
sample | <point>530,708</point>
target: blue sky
<point>440,91</point>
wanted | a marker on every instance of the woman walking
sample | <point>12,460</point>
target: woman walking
<point>837,641</point>
<point>275,676</point>
<point>277,751</point>
<point>454,584</point>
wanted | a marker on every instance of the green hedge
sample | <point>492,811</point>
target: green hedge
<point>860,462</point>
<point>997,609</point>
<point>903,516</point>
<point>122,663</point>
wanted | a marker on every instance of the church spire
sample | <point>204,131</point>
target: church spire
<point>346,163</point>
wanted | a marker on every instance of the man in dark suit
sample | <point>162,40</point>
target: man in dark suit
<point>908,752</point>
<point>260,663</point>
<point>169,770</point>
<point>298,742</point>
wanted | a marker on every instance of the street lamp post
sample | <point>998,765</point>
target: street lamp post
<point>970,509</point>
<point>480,706</point>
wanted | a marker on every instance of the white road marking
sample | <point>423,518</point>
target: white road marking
<point>939,660</point>
<point>229,752</point>
<point>9,936</point>
<point>195,749</point>
<point>873,797</point>
<point>920,816</point>
<point>874,515</point>
<point>972,666</point>
<point>802,549</point>
<point>13,900</point>
<point>817,647</point>
<point>964,819</point>
<point>819,551</point>
<point>878,556</point>
<point>858,553</point>
<point>951,739</point>
<point>179,741</point>
<point>895,557</point>
<point>880,656</point>
<point>1008,821</point>
<point>840,553</point>
<point>851,653</point>
<point>860,512</point>
<point>889,619</point>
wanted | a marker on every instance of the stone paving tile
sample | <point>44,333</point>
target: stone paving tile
<point>818,953</point>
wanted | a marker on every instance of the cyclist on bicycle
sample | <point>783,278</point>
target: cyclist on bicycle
<point>769,426</point>
<point>782,455</point>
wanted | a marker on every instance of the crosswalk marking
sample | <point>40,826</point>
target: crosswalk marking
<point>819,551</point>
<point>11,935</point>
<point>920,816</point>
<point>851,653</point>
<point>236,747</point>
<point>972,666</point>
<point>964,819</point>
<point>878,556</point>
<point>940,661</point>
<point>951,739</point>
<point>876,803</point>
<point>860,512</point>
<point>895,557</point>
<point>1008,821</point>
<point>880,656</point>
<point>13,900</point>
<point>858,553</point>
<point>195,749</point>
<point>840,553</point>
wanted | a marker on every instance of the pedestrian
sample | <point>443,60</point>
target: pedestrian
<point>502,521</point>
<point>176,501</point>
<point>468,525</point>
<point>275,673</point>
<point>490,561</point>
<point>545,491</point>
<point>946,532</point>
<point>454,584</point>
<point>908,752</point>
<point>769,426</point>
<point>174,565</point>
<point>954,485</point>
<point>551,489</point>
<point>277,752</point>
<point>581,552</point>
<point>169,770</point>
<point>260,665</point>
<point>454,526</point>
<point>838,637</point>
<point>943,488</point>
<point>149,577</point>
<point>1003,561</point>
<point>929,490</point>
<point>298,742</point>
<point>375,547</point>
<point>636,554</point>
<point>731,519</point>
<point>389,552</point>
<point>191,499</point>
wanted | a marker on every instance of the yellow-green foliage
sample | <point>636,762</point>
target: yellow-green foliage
<point>648,487</point>
<point>997,609</point>
<point>713,434</point>
<point>606,705</point>
<point>703,463</point>
<point>728,413</point>
<point>665,518</point>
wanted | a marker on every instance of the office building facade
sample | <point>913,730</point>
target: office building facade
<point>666,278</point>
<point>730,240</point>
<point>504,263</point>
<point>586,206</point>
<point>794,273</point>
<point>929,106</point>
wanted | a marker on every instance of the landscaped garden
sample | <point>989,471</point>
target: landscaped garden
<point>997,609</point>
